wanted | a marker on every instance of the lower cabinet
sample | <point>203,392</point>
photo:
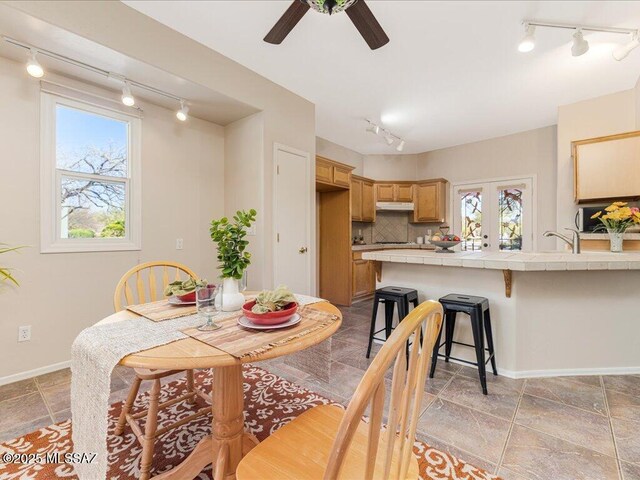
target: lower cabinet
<point>363,276</point>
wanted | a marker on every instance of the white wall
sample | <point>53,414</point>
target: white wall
<point>596,117</point>
<point>520,154</point>
<point>341,154</point>
<point>60,294</point>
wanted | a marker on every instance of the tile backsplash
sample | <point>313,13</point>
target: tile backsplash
<point>391,227</point>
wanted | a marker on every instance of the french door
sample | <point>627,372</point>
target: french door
<point>494,215</point>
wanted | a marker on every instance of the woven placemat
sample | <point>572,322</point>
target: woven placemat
<point>245,342</point>
<point>162,310</point>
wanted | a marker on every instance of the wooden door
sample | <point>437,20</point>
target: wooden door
<point>404,192</point>
<point>427,207</point>
<point>385,192</point>
<point>368,202</point>
<point>356,200</point>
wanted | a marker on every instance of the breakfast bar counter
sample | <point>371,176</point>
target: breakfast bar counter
<point>553,313</point>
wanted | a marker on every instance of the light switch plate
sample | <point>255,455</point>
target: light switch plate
<point>179,243</point>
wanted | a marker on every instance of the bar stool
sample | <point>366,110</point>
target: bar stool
<point>478,310</point>
<point>390,297</point>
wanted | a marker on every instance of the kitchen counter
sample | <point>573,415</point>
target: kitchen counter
<point>392,246</point>
<point>605,236</point>
<point>553,313</point>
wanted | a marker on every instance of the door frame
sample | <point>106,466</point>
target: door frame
<point>277,147</point>
<point>533,177</point>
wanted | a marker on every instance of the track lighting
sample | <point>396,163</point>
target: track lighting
<point>580,45</point>
<point>528,42</point>
<point>373,128</point>
<point>127,97</point>
<point>400,146</point>
<point>182,114</point>
<point>33,66</point>
<point>622,51</point>
<point>389,139</point>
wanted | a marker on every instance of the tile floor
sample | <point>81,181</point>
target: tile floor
<point>535,429</point>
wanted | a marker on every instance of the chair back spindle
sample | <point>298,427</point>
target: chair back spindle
<point>389,452</point>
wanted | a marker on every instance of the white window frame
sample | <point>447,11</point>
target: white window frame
<point>50,175</point>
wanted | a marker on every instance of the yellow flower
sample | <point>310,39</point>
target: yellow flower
<point>625,212</point>
<point>619,204</point>
<point>612,208</point>
<point>596,215</point>
<point>615,215</point>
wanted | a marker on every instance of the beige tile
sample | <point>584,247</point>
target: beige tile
<point>17,389</point>
<point>58,396</point>
<point>24,428</point>
<point>343,382</point>
<point>627,434</point>
<point>512,383</point>
<point>575,393</point>
<point>538,456</point>
<point>506,474</point>
<point>500,401</point>
<point>354,335</point>
<point>62,416</point>
<point>630,471</point>
<point>623,405</point>
<point>629,384</point>
<point>21,410</point>
<point>475,432</point>
<point>456,452</point>
<point>584,428</point>
<point>593,380</point>
<point>315,360</point>
<point>54,378</point>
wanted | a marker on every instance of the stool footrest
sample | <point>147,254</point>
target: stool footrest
<point>457,343</point>
<point>468,362</point>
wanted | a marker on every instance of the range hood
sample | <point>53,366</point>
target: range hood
<point>395,206</point>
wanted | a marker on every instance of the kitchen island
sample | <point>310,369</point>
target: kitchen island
<point>553,313</point>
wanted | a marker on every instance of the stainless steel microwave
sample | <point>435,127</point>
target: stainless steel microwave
<point>584,222</point>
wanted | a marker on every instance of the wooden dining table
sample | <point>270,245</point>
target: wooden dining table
<point>228,441</point>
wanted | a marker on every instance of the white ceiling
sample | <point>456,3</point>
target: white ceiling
<point>450,75</point>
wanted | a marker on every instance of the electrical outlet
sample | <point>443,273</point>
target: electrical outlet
<point>24,333</point>
<point>179,244</point>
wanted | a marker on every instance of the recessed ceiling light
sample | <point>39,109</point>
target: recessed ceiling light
<point>580,45</point>
<point>33,66</point>
<point>528,42</point>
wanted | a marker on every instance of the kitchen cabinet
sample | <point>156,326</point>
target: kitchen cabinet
<point>430,201</point>
<point>385,192</point>
<point>606,168</point>
<point>394,192</point>
<point>404,192</point>
<point>331,175</point>
<point>363,276</point>
<point>363,208</point>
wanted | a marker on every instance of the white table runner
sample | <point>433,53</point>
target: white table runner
<point>94,354</point>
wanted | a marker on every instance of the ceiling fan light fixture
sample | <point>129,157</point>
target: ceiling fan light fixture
<point>580,45</point>
<point>622,51</point>
<point>528,42</point>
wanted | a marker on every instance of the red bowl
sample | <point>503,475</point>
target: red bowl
<point>269,318</point>
<point>187,297</point>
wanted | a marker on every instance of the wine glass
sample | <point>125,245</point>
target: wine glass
<point>206,303</point>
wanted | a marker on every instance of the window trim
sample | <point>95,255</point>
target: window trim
<point>50,175</point>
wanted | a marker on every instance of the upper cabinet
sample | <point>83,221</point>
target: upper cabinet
<point>430,201</point>
<point>394,192</point>
<point>332,175</point>
<point>606,168</point>
<point>363,206</point>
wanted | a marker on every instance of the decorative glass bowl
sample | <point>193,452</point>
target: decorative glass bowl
<point>444,245</point>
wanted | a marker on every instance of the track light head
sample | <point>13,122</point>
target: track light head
<point>183,113</point>
<point>389,139</point>
<point>400,146</point>
<point>622,51</point>
<point>373,128</point>
<point>33,66</point>
<point>580,45</point>
<point>127,97</point>
<point>528,42</point>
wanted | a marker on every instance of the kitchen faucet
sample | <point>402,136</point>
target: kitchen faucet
<point>574,242</point>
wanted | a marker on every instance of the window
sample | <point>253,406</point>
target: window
<point>90,177</point>
<point>494,215</point>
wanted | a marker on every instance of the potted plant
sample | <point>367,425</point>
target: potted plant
<point>5,273</point>
<point>616,219</point>
<point>232,255</point>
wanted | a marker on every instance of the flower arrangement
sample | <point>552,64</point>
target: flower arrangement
<point>617,217</point>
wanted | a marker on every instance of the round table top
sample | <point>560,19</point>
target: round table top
<point>189,353</point>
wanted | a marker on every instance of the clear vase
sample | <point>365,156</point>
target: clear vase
<point>615,239</point>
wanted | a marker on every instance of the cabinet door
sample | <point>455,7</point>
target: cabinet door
<point>341,176</point>
<point>429,203</point>
<point>404,193</point>
<point>356,200</point>
<point>385,192</point>
<point>368,203</point>
<point>361,278</point>
<point>324,172</point>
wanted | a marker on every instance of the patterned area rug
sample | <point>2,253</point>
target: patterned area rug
<point>270,403</point>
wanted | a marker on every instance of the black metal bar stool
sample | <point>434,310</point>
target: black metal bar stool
<point>390,297</point>
<point>478,310</point>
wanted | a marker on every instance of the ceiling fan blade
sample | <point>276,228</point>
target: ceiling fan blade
<point>367,25</point>
<point>289,19</point>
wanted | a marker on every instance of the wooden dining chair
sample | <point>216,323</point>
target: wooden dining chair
<point>140,285</point>
<point>327,442</point>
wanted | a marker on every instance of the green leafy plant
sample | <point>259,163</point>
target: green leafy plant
<point>5,273</point>
<point>229,236</point>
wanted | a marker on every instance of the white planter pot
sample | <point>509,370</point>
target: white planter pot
<point>232,298</point>
<point>615,239</point>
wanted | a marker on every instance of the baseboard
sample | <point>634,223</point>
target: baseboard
<point>16,377</point>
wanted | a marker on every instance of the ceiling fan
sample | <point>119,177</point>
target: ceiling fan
<point>357,10</point>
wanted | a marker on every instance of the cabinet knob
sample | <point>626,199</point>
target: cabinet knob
<point>302,250</point>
